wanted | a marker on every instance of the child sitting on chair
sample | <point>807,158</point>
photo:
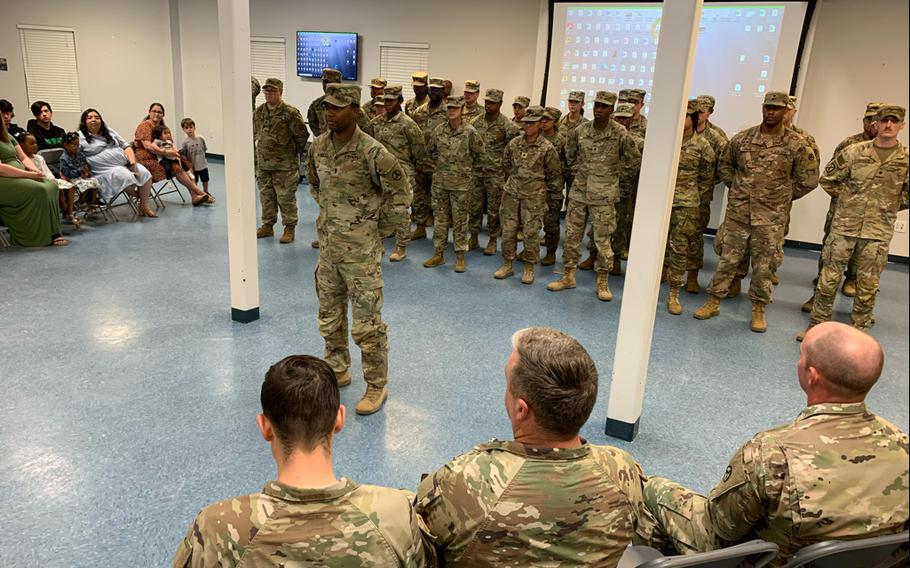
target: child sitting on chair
<point>74,170</point>
<point>29,145</point>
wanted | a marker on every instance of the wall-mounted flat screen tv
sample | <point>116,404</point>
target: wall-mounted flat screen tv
<point>318,50</point>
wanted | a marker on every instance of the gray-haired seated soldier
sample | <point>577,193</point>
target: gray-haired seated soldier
<point>836,472</point>
<point>307,516</point>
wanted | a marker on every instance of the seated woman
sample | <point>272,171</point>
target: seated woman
<point>28,202</point>
<point>112,161</point>
<point>148,154</point>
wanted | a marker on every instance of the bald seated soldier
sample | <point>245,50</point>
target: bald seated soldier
<point>377,84</point>
<point>836,472</point>
<point>307,516</point>
<point>548,497</point>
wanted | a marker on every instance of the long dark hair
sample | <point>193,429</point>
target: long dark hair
<point>3,135</point>
<point>103,132</point>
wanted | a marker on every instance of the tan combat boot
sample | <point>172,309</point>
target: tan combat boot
<point>419,232</point>
<point>692,286</point>
<point>849,287</point>
<point>617,266</point>
<point>588,263</point>
<point>474,242</point>
<point>774,279</point>
<point>527,276</point>
<point>315,244</point>
<point>288,236</point>
<point>550,258</point>
<point>710,309</point>
<point>264,231</point>
<point>758,325</point>
<point>460,265</point>
<point>436,260</point>
<point>398,254</point>
<point>603,287</point>
<point>565,283</point>
<point>343,378</point>
<point>490,249</point>
<point>372,400</point>
<point>504,271</point>
<point>735,288</point>
<point>802,335</point>
<point>808,304</point>
<point>673,305</point>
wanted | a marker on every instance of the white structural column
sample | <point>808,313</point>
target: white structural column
<point>670,92</point>
<point>240,179</point>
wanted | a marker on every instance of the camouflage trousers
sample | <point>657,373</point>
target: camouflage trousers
<point>679,517</point>
<point>625,211</point>
<point>850,271</point>
<point>421,210</point>
<point>450,209</point>
<point>551,219</point>
<point>684,223</point>
<point>361,284</point>
<point>603,223</point>
<point>532,213</point>
<point>487,187</point>
<point>696,256</point>
<point>403,232</point>
<point>742,269</point>
<point>737,240</point>
<point>870,256</point>
<point>278,192</point>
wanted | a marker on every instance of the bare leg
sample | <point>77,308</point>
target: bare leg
<point>187,182</point>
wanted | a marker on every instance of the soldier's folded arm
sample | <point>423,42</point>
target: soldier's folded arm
<point>726,165</point>
<point>396,197</point>
<point>417,144</point>
<point>904,202</point>
<point>740,501</point>
<point>572,151</point>
<point>553,170</point>
<point>806,172</point>
<point>706,171</point>
<point>836,173</point>
<point>478,150</point>
<point>311,175</point>
<point>631,157</point>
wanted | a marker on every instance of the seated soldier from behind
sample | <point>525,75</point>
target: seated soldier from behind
<point>836,472</point>
<point>548,497</point>
<point>307,516</point>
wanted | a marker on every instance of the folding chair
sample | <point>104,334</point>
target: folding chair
<point>107,205</point>
<point>754,553</point>
<point>4,238</point>
<point>52,159</point>
<point>886,551</point>
<point>161,190</point>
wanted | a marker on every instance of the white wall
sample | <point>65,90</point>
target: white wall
<point>122,51</point>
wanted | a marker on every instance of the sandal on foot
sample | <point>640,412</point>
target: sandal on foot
<point>59,242</point>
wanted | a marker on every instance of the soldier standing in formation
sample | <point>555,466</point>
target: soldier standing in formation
<point>628,193</point>
<point>600,153</point>
<point>555,197</point>
<point>427,116</point>
<point>419,86</point>
<point>255,89</point>
<point>519,105</point>
<point>363,194</point>
<point>489,176</point>
<point>280,136</point>
<point>869,182</point>
<point>315,115</point>
<point>766,167</point>
<point>823,458</point>
<point>456,150</point>
<point>639,124</point>
<point>533,169</point>
<point>402,137</point>
<point>377,84</point>
<point>575,117</point>
<point>471,93</point>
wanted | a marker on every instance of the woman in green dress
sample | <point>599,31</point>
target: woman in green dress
<point>28,203</point>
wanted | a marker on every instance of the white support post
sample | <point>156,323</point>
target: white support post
<point>234,39</point>
<point>670,92</point>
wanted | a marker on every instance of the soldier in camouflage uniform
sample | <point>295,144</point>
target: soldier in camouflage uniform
<point>575,117</point>
<point>837,472</point>
<point>307,516</point>
<point>280,136</point>
<point>519,105</point>
<point>255,89</point>
<point>628,193</point>
<point>419,86</point>
<point>868,133</point>
<point>315,115</point>
<point>471,93</point>
<point>533,170</point>
<point>600,153</point>
<point>456,150</point>
<point>639,124</point>
<point>548,498</point>
<point>718,140</point>
<point>555,198</point>
<point>377,84</point>
<point>766,167</point>
<point>402,137</point>
<point>363,194</point>
<point>869,182</point>
<point>427,116</point>
<point>695,177</point>
<point>496,131</point>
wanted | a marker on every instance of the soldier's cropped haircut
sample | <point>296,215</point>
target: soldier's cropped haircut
<point>556,376</point>
<point>300,398</point>
<point>850,360</point>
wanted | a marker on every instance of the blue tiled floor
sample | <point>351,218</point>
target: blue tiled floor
<point>129,397</point>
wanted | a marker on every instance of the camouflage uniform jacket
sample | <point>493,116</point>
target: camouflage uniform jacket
<point>471,113</point>
<point>639,126</point>
<point>600,158</point>
<point>342,525</point>
<point>506,504</point>
<point>629,184</point>
<point>402,137</point>
<point>532,168</point>
<point>455,154</point>
<point>765,174</point>
<point>836,471</point>
<point>280,136</point>
<point>411,105</point>
<point>565,127</point>
<point>869,193</point>
<point>428,119</point>
<point>315,116</point>
<point>559,142</point>
<point>849,141</point>
<point>496,134</point>
<point>718,140</point>
<point>809,140</point>
<point>718,130</point>
<point>362,193</point>
<point>695,174</point>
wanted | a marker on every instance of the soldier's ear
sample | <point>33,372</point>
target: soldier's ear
<point>265,428</point>
<point>339,419</point>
